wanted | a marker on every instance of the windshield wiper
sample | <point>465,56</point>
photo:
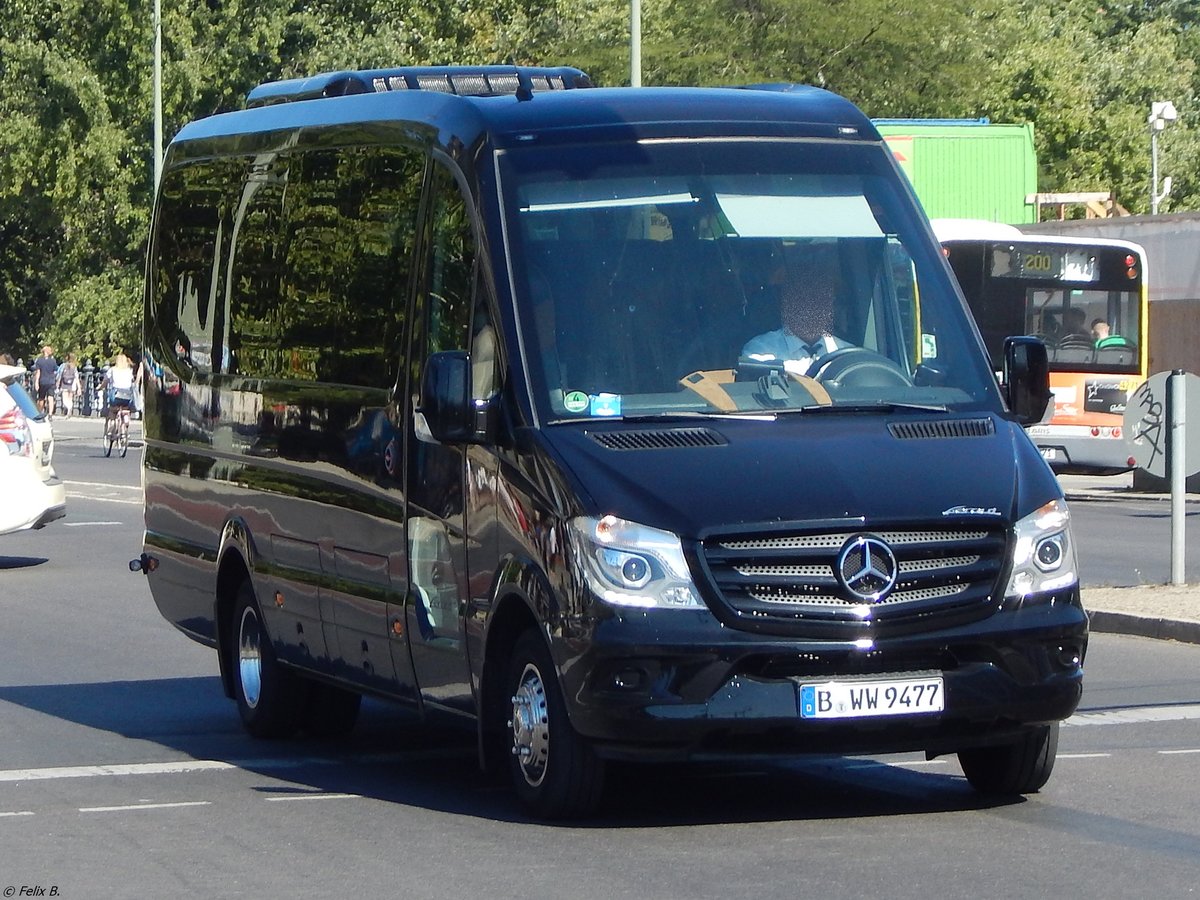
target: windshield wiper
<point>698,414</point>
<point>862,406</point>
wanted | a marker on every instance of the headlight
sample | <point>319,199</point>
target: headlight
<point>1044,559</point>
<point>627,564</point>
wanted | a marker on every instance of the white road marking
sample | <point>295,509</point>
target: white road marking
<point>92,498</point>
<point>95,809</point>
<point>175,768</point>
<point>201,765</point>
<point>105,484</point>
<point>1084,755</point>
<point>1137,714</point>
<point>5,815</point>
<point>314,797</point>
<point>1177,752</point>
<point>88,524</point>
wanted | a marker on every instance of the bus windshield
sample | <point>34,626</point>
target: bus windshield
<point>729,276</point>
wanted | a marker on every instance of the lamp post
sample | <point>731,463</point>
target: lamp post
<point>1161,112</point>
<point>157,79</point>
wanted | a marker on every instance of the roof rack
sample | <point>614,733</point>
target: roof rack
<point>470,81</point>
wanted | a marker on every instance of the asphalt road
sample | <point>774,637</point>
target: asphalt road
<point>1124,538</point>
<point>124,773</point>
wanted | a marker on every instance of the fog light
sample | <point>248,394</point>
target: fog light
<point>629,679</point>
<point>1068,657</point>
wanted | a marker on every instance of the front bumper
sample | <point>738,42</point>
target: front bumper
<point>736,694</point>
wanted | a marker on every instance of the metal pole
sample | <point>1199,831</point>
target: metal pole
<point>635,44</point>
<point>158,137</point>
<point>1153,168</point>
<point>1177,466</point>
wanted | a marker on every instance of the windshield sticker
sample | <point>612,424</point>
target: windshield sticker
<point>605,404</point>
<point>576,402</point>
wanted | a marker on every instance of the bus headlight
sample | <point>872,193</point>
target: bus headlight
<point>627,564</point>
<point>1044,557</point>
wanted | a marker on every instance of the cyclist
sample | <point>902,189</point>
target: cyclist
<point>118,392</point>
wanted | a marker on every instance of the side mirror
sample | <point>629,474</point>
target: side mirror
<point>445,400</point>
<point>1027,379</point>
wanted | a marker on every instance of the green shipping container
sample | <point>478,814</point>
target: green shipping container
<point>967,169</point>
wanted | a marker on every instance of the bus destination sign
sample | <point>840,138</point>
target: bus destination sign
<point>1042,262</point>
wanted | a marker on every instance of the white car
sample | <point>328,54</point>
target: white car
<point>33,494</point>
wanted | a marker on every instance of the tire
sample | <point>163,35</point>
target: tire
<point>332,712</point>
<point>270,699</point>
<point>555,772</point>
<point>108,441</point>
<point>1021,767</point>
<point>124,440</point>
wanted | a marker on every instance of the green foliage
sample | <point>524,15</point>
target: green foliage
<point>75,97</point>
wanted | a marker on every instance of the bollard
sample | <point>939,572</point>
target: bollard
<point>86,400</point>
<point>1177,469</point>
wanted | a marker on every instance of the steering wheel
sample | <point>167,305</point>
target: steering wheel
<point>859,367</point>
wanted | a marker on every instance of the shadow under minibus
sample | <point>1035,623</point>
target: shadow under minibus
<point>394,757</point>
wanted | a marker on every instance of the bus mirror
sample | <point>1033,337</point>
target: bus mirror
<point>1027,379</point>
<point>446,397</point>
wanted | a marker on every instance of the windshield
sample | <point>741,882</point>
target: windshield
<point>730,277</point>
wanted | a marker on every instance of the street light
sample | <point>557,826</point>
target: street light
<point>1161,112</point>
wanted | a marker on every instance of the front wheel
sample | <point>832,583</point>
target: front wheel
<point>1020,767</point>
<point>555,771</point>
<point>270,699</point>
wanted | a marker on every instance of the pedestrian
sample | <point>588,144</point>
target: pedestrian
<point>69,384</point>
<point>45,376</point>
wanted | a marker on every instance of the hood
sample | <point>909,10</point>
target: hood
<point>692,478</point>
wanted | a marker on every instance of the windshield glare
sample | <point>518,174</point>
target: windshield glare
<point>730,277</point>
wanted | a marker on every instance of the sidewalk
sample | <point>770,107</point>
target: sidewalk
<point>1170,612</point>
<point>1167,611</point>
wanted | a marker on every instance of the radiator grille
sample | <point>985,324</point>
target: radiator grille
<point>787,582</point>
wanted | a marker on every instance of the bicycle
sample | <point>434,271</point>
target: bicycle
<point>116,431</point>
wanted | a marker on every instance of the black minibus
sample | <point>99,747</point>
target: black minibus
<point>628,424</point>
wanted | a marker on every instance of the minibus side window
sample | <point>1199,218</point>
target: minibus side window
<point>185,282</point>
<point>348,236</point>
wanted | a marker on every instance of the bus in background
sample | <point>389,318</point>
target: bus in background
<point>1086,298</point>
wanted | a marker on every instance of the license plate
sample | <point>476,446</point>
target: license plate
<point>864,699</point>
<point>1049,453</point>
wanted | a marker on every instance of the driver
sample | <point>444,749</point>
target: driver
<point>806,311</point>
